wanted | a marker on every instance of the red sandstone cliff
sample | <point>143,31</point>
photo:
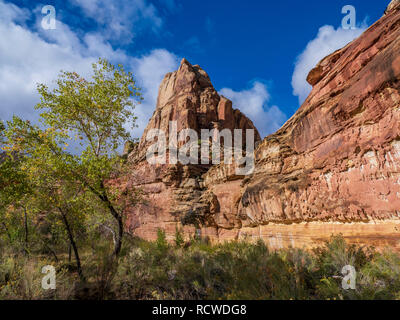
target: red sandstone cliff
<point>334,167</point>
<point>175,193</point>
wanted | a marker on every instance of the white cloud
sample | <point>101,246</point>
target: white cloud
<point>31,56</point>
<point>118,19</point>
<point>150,70</point>
<point>25,60</point>
<point>253,103</point>
<point>10,12</point>
<point>327,41</point>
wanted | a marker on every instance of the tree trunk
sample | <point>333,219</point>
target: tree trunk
<point>119,220</point>
<point>7,231</point>
<point>26,227</point>
<point>112,233</point>
<point>120,233</point>
<point>52,252</point>
<point>118,217</point>
<point>72,243</point>
<point>118,244</point>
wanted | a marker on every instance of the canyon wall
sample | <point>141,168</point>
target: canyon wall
<point>334,167</point>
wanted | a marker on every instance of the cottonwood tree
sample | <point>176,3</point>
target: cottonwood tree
<point>14,189</point>
<point>39,184</point>
<point>96,113</point>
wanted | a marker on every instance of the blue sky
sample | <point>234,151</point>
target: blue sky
<point>257,53</point>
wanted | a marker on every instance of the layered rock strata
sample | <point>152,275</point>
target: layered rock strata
<point>334,167</point>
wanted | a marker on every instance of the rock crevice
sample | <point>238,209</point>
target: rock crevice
<point>335,163</point>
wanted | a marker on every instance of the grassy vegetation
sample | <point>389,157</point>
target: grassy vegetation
<point>69,209</point>
<point>197,270</point>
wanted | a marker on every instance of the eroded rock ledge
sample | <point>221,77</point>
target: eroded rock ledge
<point>334,167</point>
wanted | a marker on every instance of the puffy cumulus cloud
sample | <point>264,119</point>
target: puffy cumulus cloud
<point>10,12</point>
<point>253,103</point>
<point>25,60</point>
<point>119,19</point>
<point>32,55</point>
<point>327,41</point>
<point>150,69</point>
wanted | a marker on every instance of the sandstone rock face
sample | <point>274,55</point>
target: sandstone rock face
<point>175,193</point>
<point>337,158</point>
<point>188,97</point>
<point>392,6</point>
<point>334,167</point>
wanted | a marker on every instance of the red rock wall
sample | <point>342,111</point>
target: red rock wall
<point>337,159</point>
<point>334,167</point>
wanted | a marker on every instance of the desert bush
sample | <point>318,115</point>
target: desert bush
<point>199,270</point>
<point>21,279</point>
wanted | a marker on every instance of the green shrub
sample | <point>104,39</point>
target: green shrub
<point>199,270</point>
<point>161,241</point>
<point>179,241</point>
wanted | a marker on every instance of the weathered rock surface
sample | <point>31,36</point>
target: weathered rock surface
<point>175,193</point>
<point>392,5</point>
<point>188,97</point>
<point>334,167</point>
